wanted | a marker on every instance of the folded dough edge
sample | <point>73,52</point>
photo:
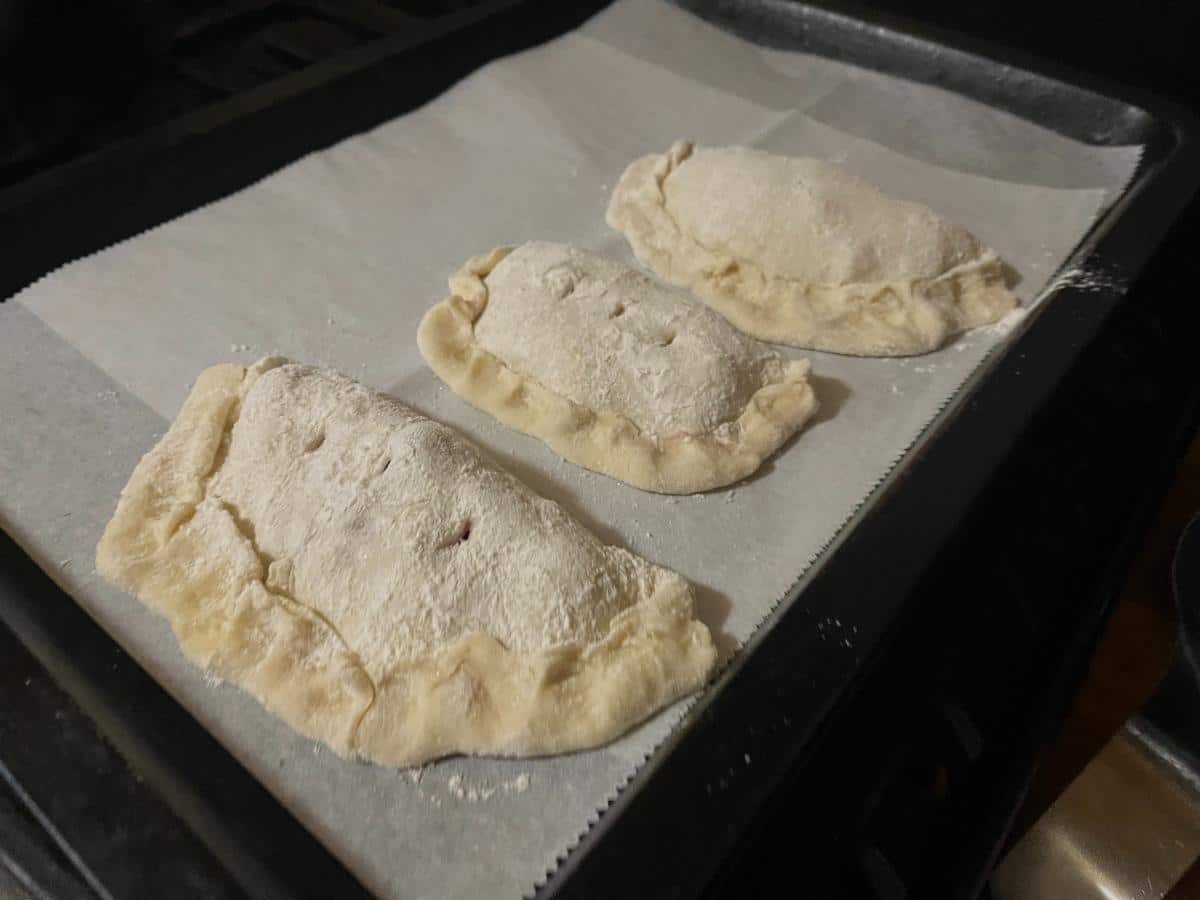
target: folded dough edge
<point>186,556</point>
<point>889,318</point>
<point>603,442</point>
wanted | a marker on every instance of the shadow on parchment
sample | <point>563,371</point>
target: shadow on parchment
<point>832,395</point>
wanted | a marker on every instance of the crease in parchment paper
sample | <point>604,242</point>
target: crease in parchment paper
<point>861,102</point>
<point>334,259</point>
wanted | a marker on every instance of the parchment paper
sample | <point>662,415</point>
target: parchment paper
<point>334,259</point>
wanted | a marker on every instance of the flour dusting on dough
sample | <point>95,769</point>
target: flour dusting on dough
<point>610,338</point>
<point>798,251</point>
<point>375,582</point>
<point>613,371</point>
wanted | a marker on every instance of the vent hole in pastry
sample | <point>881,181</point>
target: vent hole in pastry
<point>461,536</point>
<point>618,310</point>
<point>560,282</point>
<point>315,442</point>
<point>667,339</point>
<point>386,464</point>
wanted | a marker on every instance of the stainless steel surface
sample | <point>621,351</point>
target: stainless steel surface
<point>1126,829</point>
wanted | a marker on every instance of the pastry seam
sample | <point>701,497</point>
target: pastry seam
<point>604,442</point>
<point>567,697</point>
<point>963,297</point>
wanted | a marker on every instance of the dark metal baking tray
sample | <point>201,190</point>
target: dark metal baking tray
<point>768,724</point>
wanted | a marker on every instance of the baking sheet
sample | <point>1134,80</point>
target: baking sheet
<point>334,259</point>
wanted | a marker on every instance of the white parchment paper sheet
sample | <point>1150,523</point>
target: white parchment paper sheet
<point>334,259</point>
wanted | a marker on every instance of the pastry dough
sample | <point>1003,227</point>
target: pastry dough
<point>372,580</point>
<point>799,252</point>
<point>614,371</point>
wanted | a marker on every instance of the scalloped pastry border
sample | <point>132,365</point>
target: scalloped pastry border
<point>604,442</point>
<point>894,318</point>
<point>474,697</point>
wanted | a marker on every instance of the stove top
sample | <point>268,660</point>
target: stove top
<point>122,69</point>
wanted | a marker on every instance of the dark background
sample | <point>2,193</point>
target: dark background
<point>1150,44</point>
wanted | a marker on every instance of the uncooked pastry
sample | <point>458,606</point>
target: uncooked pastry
<point>614,371</point>
<point>372,580</point>
<point>797,251</point>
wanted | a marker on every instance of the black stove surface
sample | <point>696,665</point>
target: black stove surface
<point>79,77</point>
